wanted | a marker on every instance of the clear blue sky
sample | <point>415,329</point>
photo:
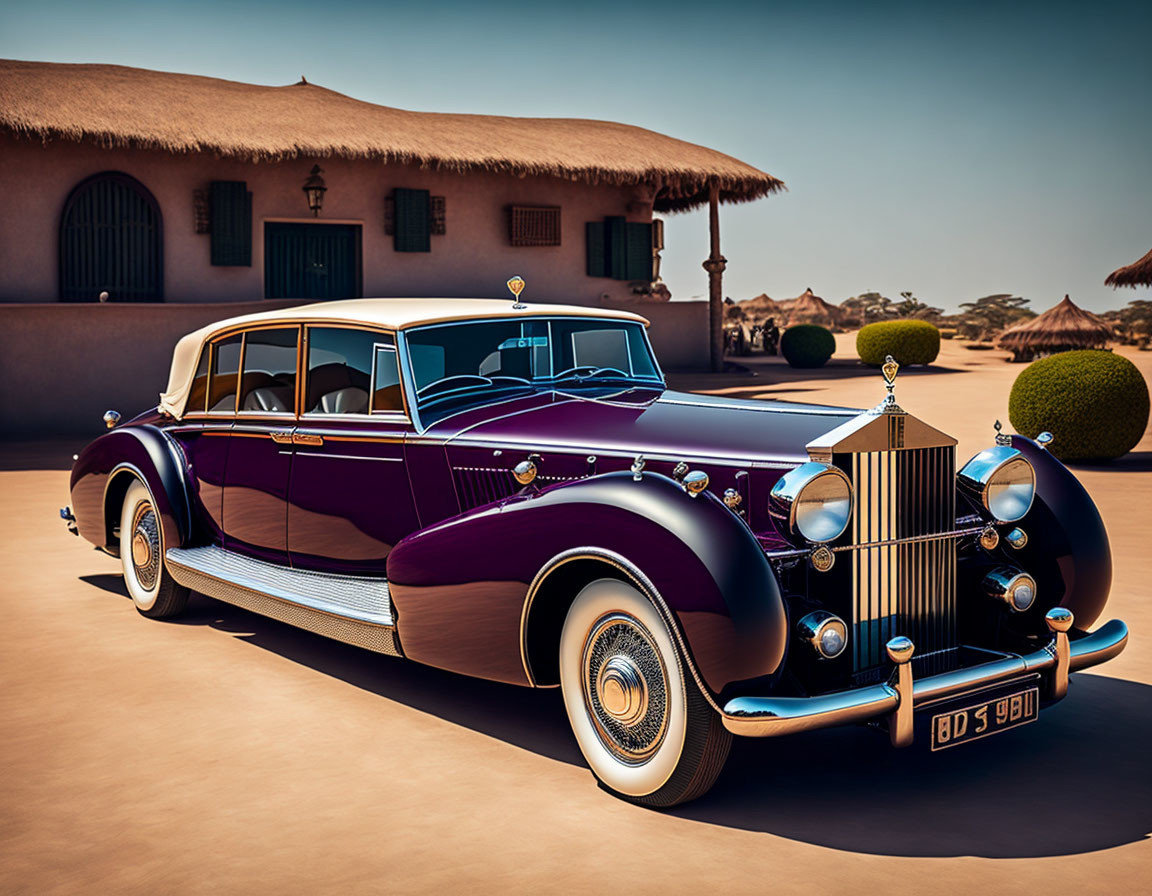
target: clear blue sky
<point>954,150</point>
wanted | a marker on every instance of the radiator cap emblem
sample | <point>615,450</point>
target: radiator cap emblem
<point>516,286</point>
<point>889,368</point>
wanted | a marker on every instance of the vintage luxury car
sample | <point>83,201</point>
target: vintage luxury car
<point>509,491</point>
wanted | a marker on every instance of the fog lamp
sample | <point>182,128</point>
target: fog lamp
<point>1015,588</point>
<point>825,632</point>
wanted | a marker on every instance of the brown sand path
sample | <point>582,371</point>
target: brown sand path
<point>225,753</point>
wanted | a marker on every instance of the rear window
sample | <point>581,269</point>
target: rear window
<point>198,394</point>
<point>269,381</point>
<point>225,372</point>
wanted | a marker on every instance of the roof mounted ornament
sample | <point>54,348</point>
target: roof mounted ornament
<point>516,286</point>
<point>1001,438</point>
<point>889,369</point>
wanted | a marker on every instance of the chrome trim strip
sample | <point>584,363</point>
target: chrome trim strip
<point>394,460</point>
<point>773,716</point>
<point>783,463</point>
<point>768,409</point>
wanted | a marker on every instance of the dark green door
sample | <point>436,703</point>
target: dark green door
<point>311,261</point>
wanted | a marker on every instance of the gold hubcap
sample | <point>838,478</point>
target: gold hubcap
<point>141,550</point>
<point>625,687</point>
<point>623,693</point>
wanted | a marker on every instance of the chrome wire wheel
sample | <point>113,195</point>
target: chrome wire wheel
<point>155,593</point>
<point>625,687</point>
<point>646,730</point>
<point>144,545</point>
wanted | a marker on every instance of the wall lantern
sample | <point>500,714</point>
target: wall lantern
<point>314,189</point>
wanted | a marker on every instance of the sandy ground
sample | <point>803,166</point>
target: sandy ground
<point>226,753</point>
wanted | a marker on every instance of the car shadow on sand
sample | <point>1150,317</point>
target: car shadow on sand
<point>1076,781</point>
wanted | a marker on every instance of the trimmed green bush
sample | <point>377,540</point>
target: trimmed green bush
<point>1095,404</point>
<point>807,345</point>
<point>908,341</point>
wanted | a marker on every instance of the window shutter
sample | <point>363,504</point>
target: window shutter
<point>413,220</point>
<point>597,261</point>
<point>639,261</point>
<point>616,238</point>
<point>231,223</point>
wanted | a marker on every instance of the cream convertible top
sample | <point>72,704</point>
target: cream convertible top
<point>393,314</point>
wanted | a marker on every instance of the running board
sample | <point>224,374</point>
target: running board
<point>351,609</point>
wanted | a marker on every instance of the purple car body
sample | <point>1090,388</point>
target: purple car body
<point>481,567</point>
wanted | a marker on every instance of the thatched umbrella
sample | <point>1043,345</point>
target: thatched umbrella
<point>1139,273</point>
<point>1058,329</point>
<point>808,308</point>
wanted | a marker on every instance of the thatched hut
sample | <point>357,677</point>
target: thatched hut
<point>1139,273</point>
<point>808,308</point>
<point>149,186</point>
<point>1059,329</point>
<point>757,309</point>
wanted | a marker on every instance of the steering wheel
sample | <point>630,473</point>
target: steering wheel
<point>450,382</point>
<point>602,370</point>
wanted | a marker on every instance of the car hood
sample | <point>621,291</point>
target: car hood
<point>677,425</point>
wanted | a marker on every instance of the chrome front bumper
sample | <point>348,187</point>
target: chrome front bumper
<point>900,697</point>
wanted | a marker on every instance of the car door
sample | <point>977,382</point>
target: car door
<point>349,497</point>
<point>255,511</point>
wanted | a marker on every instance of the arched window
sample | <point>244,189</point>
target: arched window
<point>111,241</point>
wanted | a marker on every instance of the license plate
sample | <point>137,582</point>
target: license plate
<point>950,729</point>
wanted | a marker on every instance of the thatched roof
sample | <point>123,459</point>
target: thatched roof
<point>759,308</point>
<point>1139,273</point>
<point>114,106</point>
<point>1061,328</point>
<point>808,308</point>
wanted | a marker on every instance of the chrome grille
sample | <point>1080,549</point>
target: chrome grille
<point>907,588</point>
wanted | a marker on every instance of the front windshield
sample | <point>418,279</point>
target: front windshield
<point>460,364</point>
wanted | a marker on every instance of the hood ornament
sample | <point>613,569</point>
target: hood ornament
<point>889,369</point>
<point>516,286</point>
<point>1001,438</point>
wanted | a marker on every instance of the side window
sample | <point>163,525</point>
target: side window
<point>269,381</point>
<point>340,369</point>
<point>225,370</point>
<point>198,394</point>
<point>386,378</point>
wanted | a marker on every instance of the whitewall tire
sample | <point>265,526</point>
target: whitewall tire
<point>646,731</point>
<point>155,593</point>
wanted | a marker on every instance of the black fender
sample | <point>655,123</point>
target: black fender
<point>466,591</point>
<point>1067,551</point>
<point>105,468</point>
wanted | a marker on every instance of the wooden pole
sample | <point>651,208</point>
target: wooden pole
<point>715,267</point>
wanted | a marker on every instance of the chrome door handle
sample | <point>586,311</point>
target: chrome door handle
<point>307,438</point>
<point>281,438</point>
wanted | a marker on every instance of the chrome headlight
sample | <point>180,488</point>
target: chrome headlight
<point>813,501</point>
<point>1002,480</point>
